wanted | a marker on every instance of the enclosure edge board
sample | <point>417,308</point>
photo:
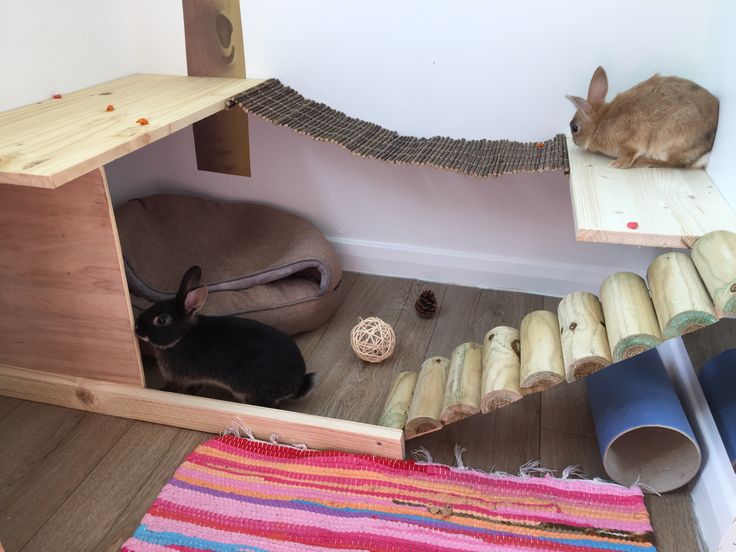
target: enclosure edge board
<point>199,413</point>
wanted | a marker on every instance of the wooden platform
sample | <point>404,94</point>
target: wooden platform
<point>672,207</point>
<point>54,141</point>
<point>57,488</point>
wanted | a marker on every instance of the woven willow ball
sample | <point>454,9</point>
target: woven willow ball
<point>372,339</point>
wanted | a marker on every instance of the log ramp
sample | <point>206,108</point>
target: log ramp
<point>681,294</point>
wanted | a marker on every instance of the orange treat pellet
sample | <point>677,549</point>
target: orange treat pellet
<point>142,121</point>
<point>109,108</point>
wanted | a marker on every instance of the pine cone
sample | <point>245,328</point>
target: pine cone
<point>426,305</point>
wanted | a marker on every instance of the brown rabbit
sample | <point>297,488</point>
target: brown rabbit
<point>661,122</point>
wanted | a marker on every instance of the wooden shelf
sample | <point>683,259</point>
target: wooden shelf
<point>54,141</point>
<point>673,207</point>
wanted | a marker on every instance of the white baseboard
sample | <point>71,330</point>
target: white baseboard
<point>714,489</point>
<point>468,268</point>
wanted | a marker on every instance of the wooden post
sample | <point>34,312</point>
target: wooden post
<point>426,406</point>
<point>630,319</point>
<point>213,34</point>
<point>679,296</point>
<point>501,363</point>
<point>462,389</point>
<point>583,334</point>
<point>541,352</point>
<point>714,256</point>
<point>398,401</point>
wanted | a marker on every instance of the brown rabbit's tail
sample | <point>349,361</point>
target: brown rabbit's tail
<point>306,386</point>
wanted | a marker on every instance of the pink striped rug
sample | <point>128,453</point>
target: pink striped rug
<point>234,494</point>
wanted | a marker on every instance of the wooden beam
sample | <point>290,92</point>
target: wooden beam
<point>64,304</point>
<point>199,413</point>
<point>214,42</point>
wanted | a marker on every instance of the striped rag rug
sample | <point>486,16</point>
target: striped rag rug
<point>234,494</point>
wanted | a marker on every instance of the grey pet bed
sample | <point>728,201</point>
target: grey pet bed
<point>258,262</point>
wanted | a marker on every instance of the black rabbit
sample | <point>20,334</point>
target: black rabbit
<point>258,364</point>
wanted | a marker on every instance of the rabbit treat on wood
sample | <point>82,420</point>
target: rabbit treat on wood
<point>661,122</point>
<point>258,364</point>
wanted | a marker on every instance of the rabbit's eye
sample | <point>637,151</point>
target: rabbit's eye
<point>574,128</point>
<point>162,320</point>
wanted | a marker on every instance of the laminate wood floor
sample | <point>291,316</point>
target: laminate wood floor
<point>710,341</point>
<point>75,481</point>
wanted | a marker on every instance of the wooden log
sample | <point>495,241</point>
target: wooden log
<point>680,299</point>
<point>501,365</point>
<point>583,334</point>
<point>426,406</point>
<point>714,256</point>
<point>399,398</point>
<point>541,352</point>
<point>462,388</point>
<point>631,322</point>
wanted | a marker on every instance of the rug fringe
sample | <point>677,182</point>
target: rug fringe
<point>421,455</point>
<point>237,428</point>
<point>530,469</point>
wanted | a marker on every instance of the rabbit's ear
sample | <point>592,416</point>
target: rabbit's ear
<point>598,87</point>
<point>189,280</point>
<point>582,106</point>
<point>195,299</point>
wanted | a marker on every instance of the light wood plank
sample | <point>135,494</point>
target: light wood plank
<point>199,413</point>
<point>710,341</point>
<point>54,141</point>
<point>83,519</point>
<point>565,406</point>
<point>309,341</point>
<point>504,439</point>
<point>560,449</point>
<point>30,433</point>
<point>348,388</point>
<point>466,314</point>
<point>413,334</point>
<point>456,321</point>
<point>673,207</point>
<point>7,405</point>
<point>129,517</point>
<point>55,476</point>
<point>675,529</point>
<point>64,303</point>
<point>213,35</point>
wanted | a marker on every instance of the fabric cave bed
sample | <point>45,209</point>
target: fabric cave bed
<point>257,261</point>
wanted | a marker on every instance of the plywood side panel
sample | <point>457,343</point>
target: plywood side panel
<point>64,304</point>
<point>213,34</point>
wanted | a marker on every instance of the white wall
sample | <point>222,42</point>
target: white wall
<point>471,69</point>
<point>718,75</point>
<point>49,47</point>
